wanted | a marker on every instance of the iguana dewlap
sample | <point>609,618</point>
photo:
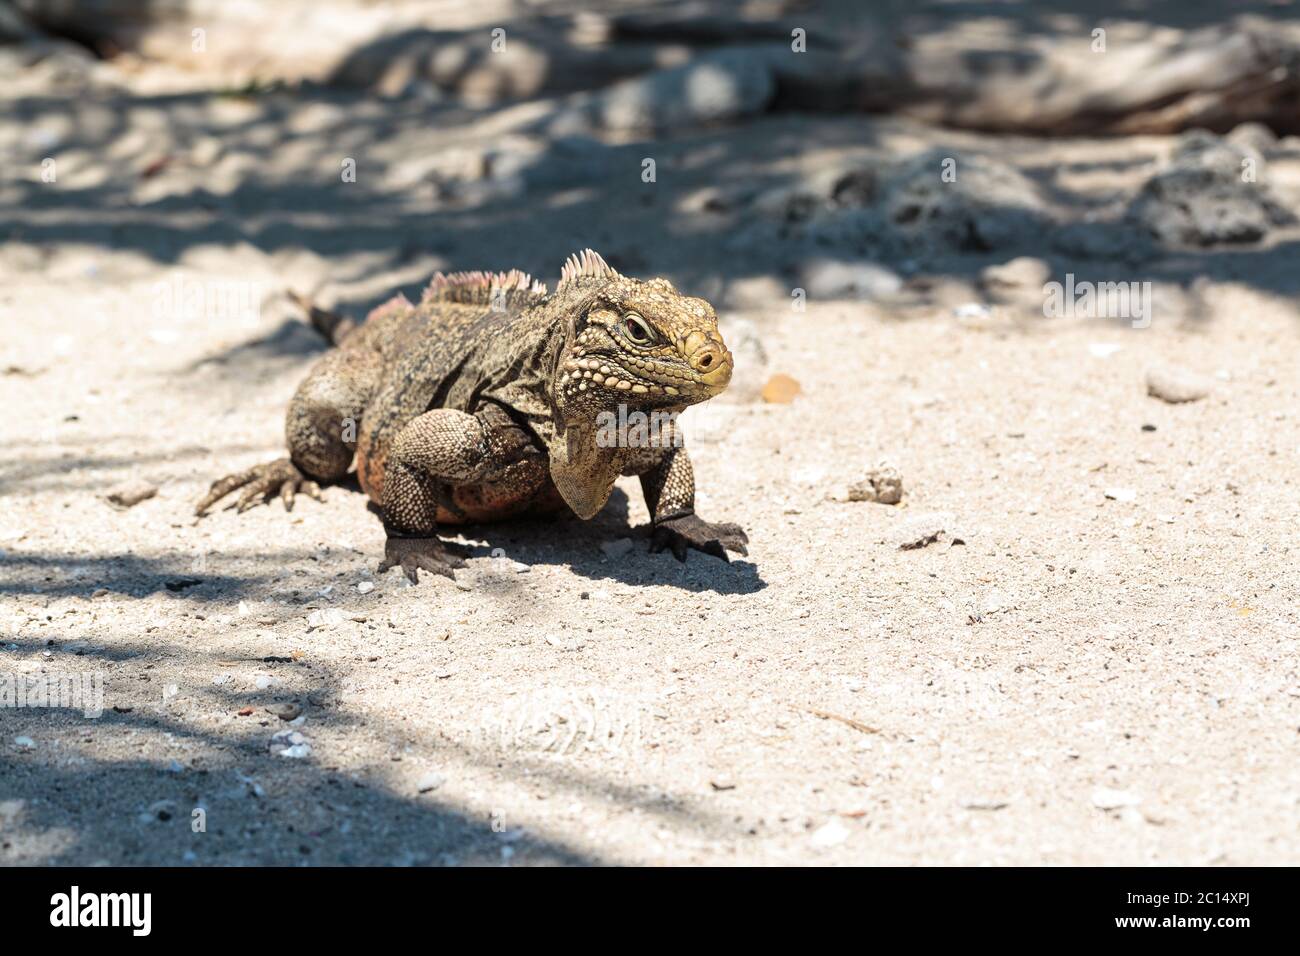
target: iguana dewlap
<point>492,398</point>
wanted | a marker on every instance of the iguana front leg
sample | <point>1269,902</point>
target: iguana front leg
<point>669,489</point>
<point>435,453</point>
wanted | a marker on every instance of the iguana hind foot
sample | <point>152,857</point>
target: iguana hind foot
<point>261,481</point>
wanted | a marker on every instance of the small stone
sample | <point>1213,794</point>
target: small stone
<point>722,783</point>
<point>1121,494</point>
<point>330,617</point>
<point>265,682</point>
<point>245,712</point>
<point>1177,385</point>
<point>1022,276</point>
<point>924,530</point>
<point>829,834</point>
<point>882,484</point>
<point>780,389</point>
<point>430,781</point>
<point>617,548</point>
<point>290,743</point>
<point>972,310</point>
<point>287,711</point>
<point>130,493</point>
<point>1104,798</point>
<point>365,587</point>
<point>983,804</point>
<point>24,743</point>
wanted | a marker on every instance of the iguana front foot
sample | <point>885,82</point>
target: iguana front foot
<point>261,481</point>
<point>691,531</point>
<point>412,554</point>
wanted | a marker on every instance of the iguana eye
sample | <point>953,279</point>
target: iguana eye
<point>636,329</point>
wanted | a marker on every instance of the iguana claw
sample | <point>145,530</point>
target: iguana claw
<point>690,531</point>
<point>414,554</point>
<point>258,482</point>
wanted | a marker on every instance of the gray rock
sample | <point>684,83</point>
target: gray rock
<point>1204,197</point>
<point>1253,136</point>
<point>1176,385</point>
<point>1112,240</point>
<point>983,205</point>
<point>715,88</point>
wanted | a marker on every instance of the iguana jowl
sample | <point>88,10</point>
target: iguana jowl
<point>483,402</point>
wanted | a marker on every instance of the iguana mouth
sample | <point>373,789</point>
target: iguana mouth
<point>705,373</point>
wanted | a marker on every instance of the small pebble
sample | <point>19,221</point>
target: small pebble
<point>829,834</point>
<point>1177,385</point>
<point>1104,798</point>
<point>290,743</point>
<point>883,484</point>
<point>286,711</point>
<point>130,493</point>
<point>430,781</point>
<point>926,529</point>
<point>618,548</point>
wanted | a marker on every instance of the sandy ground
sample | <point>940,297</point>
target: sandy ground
<point>829,699</point>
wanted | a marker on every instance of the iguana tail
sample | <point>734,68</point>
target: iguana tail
<point>333,326</point>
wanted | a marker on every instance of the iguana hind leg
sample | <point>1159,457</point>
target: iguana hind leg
<point>320,429</point>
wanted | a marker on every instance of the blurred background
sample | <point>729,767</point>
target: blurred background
<point>744,149</point>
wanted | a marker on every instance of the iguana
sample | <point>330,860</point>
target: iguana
<point>484,400</point>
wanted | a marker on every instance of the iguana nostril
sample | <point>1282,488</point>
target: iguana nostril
<point>705,359</point>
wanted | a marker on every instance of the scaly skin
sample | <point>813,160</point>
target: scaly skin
<point>484,401</point>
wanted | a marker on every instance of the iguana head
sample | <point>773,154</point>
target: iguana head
<point>640,345</point>
<point>634,343</point>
